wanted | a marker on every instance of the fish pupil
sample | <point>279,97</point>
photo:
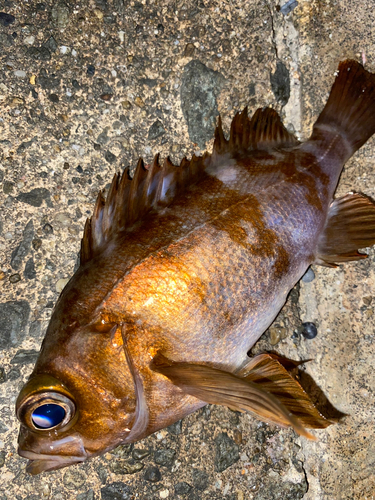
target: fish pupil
<point>48,415</point>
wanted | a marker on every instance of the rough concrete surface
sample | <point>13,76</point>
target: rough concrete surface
<point>87,87</point>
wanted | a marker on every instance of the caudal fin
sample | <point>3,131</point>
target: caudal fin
<point>351,104</point>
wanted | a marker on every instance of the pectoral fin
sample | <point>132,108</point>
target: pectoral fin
<point>350,225</point>
<point>263,398</point>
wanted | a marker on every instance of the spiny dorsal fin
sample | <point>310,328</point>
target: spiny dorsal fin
<point>129,200</point>
<point>350,226</point>
<point>264,131</point>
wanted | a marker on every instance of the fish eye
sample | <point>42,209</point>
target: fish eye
<point>48,415</point>
<point>46,410</point>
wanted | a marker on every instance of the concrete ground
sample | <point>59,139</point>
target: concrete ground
<point>86,88</point>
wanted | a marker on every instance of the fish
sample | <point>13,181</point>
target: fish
<point>182,268</point>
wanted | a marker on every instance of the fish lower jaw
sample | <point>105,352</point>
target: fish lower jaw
<point>39,462</point>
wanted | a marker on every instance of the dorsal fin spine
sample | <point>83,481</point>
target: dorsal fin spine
<point>220,143</point>
<point>135,189</point>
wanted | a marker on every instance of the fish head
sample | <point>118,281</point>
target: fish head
<point>82,398</point>
<point>92,387</point>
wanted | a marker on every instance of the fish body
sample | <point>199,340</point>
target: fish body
<point>182,269</point>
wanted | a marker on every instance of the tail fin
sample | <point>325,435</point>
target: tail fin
<point>351,104</point>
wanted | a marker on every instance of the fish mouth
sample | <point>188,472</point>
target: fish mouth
<point>39,462</point>
<point>66,451</point>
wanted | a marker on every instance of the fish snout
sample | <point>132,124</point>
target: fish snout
<point>48,453</point>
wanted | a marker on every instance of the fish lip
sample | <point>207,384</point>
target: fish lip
<point>39,462</point>
<point>50,452</point>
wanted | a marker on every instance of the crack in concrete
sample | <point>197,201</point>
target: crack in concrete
<point>274,43</point>
<point>305,474</point>
<point>286,43</point>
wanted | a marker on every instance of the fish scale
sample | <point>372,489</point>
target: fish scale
<point>182,269</point>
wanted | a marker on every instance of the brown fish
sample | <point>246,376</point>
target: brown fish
<point>182,269</point>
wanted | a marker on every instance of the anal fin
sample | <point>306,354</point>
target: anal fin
<point>273,375</point>
<point>350,226</point>
<point>264,388</point>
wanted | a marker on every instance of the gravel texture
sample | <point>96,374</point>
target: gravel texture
<point>86,88</point>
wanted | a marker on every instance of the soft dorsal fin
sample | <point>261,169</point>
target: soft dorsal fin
<point>129,199</point>
<point>264,131</point>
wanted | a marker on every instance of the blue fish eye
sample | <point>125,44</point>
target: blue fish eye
<point>48,416</point>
